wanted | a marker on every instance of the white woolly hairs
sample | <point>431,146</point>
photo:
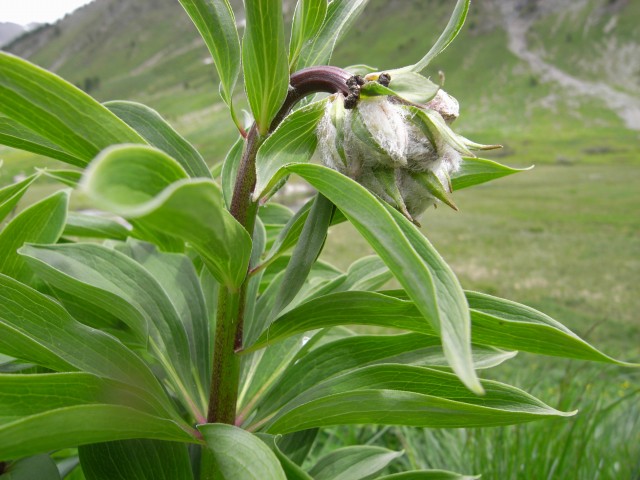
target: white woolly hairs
<point>387,123</point>
<point>406,149</point>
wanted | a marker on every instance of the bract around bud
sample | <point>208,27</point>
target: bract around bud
<point>401,151</point>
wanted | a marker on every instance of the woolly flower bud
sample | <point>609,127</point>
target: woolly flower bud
<point>389,148</point>
<point>447,106</point>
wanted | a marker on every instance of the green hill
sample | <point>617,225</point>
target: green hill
<point>554,81</point>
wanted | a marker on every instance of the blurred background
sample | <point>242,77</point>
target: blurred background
<point>557,82</point>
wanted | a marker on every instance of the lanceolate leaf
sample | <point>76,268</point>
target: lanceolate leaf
<point>239,455</point>
<point>474,171</point>
<point>275,214</point>
<point>288,235</point>
<point>216,23</point>
<point>341,14</point>
<point>297,446</point>
<point>497,321</point>
<point>71,178</point>
<point>23,395</point>
<point>42,222</point>
<point>353,463</point>
<point>366,273</point>
<point>116,283</point>
<point>425,276</point>
<point>93,226</point>
<point>58,111</point>
<point>291,470</point>
<point>305,252</point>
<point>149,187</point>
<point>179,279</point>
<point>307,20</point>
<point>450,32</point>
<point>455,327</point>
<point>429,475</point>
<point>81,425</point>
<point>354,352</point>
<point>293,141</point>
<point>435,125</point>
<point>11,195</point>
<point>345,308</point>
<point>139,459</point>
<point>406,395</point>
<point>494,321</point>
<point>264,60</point>
<point>17,136</point>
<point>35,328</point>
<point>157,132</point>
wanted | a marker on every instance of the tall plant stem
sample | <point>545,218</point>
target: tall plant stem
<point>231,302</point>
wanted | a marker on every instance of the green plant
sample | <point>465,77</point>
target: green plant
<point>201,337</point>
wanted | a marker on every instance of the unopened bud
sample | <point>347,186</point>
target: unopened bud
<point>447,106</point>
<point>400,151</point>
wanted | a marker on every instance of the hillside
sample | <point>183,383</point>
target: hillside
<point>553,80</point>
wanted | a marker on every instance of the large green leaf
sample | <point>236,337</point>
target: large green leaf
<point>290,468</point>
<point>70,178</point>
<point>429,475</point>
<point>425,276</point>
<point>11,195</point>
<point>474,171</point>
<point>157,132</point>
<point>146,185</point>
<point>501,322</point>
<point>297,446</point>
<point>18,136</point>
<point>42,222</point>
<point>81,425</point>
<point>136,459</point>
<point>341,14</point>
<point>239,455</point>
<point>294,140</point>
<point>23,395</point>
<point>496,322</point>
<point>179,280</point>
<point>366,273</point>
<point>41,467</point>
<point>353,352</point>
<point>450,32</point>
<point>345,308</point>
<point>264,60</point>
<point>264,369</point>
<point>407,395</point>
<point>94,226</point>
<point>216,23</point>
<point>353,463</point>
<point>35,328</point>
<point>56,110</point>
<point>121,286</point>
<point>287,235</point>
<point>305,253</point>
<point>307,20</point>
